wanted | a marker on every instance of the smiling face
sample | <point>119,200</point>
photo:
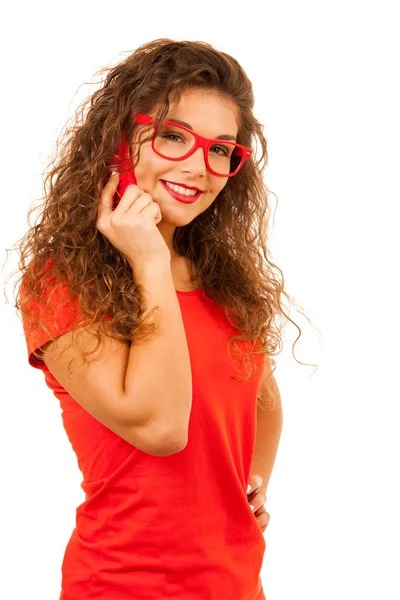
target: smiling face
<point>209,114</point>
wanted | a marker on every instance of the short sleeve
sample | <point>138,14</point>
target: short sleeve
<point>57,321</point>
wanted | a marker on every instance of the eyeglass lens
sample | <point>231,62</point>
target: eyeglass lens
<point>174,142</point>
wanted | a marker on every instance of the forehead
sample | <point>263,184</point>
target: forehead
<point>208,112</point>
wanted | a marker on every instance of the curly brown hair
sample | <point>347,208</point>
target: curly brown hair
<point>227,243</point>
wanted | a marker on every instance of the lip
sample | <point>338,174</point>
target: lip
<point>181,197</point>
<point>188,187</point>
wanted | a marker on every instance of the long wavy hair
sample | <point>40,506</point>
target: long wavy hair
<point>226,244</point>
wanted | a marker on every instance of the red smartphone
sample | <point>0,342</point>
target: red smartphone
<point>122,160</point>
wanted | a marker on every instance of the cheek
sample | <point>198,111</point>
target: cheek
<point>149,168</point>
<point>213,194</point>
<point>217,188</point>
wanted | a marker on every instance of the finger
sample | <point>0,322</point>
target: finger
<point>153,210</point>
<point>254,491</point>
<point>263,521</point>
<point>264,527</point>
<point>114,177</point>
<point>133,200</point>
<point>258,500</point>
<point>107,195</point>
<point>255,481</point>
<point>139,204</point>
<point>259,509</point>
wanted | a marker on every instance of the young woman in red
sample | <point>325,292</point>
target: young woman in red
<point>155,276</point>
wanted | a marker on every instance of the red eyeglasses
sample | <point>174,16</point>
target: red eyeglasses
<point>176,142</point>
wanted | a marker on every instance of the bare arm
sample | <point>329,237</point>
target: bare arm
<point>158,379</point>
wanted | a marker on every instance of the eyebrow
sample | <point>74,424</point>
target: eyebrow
<point>219,137</point>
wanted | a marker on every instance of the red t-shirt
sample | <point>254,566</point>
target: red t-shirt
<point>178,526</point>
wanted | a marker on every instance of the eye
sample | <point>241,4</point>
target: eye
<point>222,151</point>
<point>168,136</point>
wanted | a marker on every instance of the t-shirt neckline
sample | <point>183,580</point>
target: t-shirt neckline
<point>189,292</point>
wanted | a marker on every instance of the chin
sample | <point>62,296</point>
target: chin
<point>178,215</point>
<point>179,222</point>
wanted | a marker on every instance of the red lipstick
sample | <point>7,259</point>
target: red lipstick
<point>181,197</point>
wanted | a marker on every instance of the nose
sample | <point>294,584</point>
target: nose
<point>195,163</point>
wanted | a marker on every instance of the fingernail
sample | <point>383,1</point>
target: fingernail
<point>248,488</point>
<point>252,507</point>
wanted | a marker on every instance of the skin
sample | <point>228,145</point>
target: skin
<point>210,114</point>
<point>257,500</point>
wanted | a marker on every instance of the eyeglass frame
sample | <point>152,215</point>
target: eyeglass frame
<point>200,142</point>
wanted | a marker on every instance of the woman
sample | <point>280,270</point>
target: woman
<point>153,290</point>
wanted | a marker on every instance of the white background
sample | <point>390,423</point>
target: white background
<point>325,78</point>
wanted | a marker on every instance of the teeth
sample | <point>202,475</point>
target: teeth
<point>181,190</point>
